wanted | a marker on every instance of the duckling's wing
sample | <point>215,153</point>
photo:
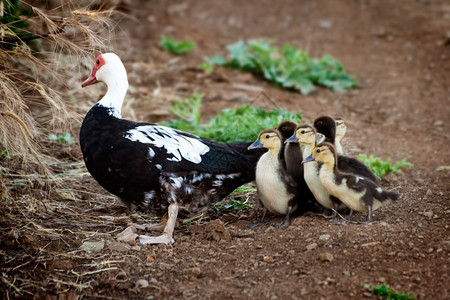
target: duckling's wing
<point>354,166</point>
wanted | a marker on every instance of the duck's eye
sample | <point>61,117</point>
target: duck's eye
<point>318,150</point>
<point>267,136</point>
<point>303,132</point>
<point>98,61</point>
<point>284,128</point>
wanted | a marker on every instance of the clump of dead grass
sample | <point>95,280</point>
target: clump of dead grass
<point>35,63</point>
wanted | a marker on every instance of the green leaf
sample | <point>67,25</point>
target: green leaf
<point>241,124</point>
<point>381,168</point>
<point>63,138</point>
<point>176,47</point>
<point>383,290</point>
<point>287,67</point>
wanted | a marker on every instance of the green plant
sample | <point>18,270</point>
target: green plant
<point>240,124</point>
<point>175,47</point>
<point>381,168</point>
<point>383,290</point>
<point>63,138</point>
<point>236,204</point>
<point>244,189</point>
<point>5,154</point>
<point>287,67</point>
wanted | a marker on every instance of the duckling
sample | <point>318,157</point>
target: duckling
<point>340,133</point>
<point>356,192</point>
<point>307,137</point>
<point>327,126</point>
<point>292,154</point>
<point>277,190</point>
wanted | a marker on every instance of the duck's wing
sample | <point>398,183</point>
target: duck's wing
<point>354,166</point>
<point>177,151</point>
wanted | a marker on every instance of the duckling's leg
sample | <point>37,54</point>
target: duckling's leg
<point>261,222</point>
<point>167,236</point>
<point>286,221</point>
<point>347,219</point>
<point>369,215</point>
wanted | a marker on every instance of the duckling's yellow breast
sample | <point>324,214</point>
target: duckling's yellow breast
<point>272,191</point>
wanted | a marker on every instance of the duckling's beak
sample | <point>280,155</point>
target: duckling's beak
<point>292,139</point>
<point>309,158</point>
<point>256,144</point>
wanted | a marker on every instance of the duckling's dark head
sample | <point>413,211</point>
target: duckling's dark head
<point>325,152</point>
<point>269,138</point>
<point>326,126</point>
<point>286,129</point>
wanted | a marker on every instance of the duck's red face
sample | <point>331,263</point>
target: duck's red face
<point>99,62</point>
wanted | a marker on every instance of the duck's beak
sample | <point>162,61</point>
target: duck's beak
<point>292,139</point>
<point>89,81</point>
<point>255,144</point>
<point>309,158</point>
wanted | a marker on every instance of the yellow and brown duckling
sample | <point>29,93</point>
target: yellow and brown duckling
<point>356,192</point>
<point>307,137</point>
<point>293,157</point>
<point>341,129</point>
<point>277,190</point>
<point>327,126</point>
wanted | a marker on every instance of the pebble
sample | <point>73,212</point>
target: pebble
<point>430,250</point>
<point>439,123</point>
<point>324,237</point>
<point>326,256</point>
<point>428,214</point>
<point>142,283</point>
<point>311,246</point>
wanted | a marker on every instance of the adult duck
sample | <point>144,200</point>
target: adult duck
<point>155,167</point>
<point>356,192</point>
<point>276,189</point>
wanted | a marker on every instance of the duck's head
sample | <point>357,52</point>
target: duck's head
<point>326,126</point>
<point>323,152</point>
<point>340,127</point>
<point>269,139</point>
<point>108,68</point>
<point>286,129</point>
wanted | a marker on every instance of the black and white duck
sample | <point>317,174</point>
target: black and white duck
<point>356,192</point>
<point>155,167</point>
<point>327,126</point>
<point>293,157</point>
<point>276,189</point>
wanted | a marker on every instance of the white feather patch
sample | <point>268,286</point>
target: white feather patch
<point>181,147</point>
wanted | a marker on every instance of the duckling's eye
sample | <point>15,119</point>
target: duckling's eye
<point>267,136</point>
<point>98,61</point>
<point>284,128</point>
<point>318,150</point>
<point>303,132</point>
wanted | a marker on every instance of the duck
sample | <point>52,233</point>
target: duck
<point>341,129</point>
<point>153,167</point>
<point>356,192</point>
<point>306,136</point>
<point>327,126</point>
<point>292,158</point>
<point>276,189</point>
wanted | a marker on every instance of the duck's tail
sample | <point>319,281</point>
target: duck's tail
<point>250,156</point>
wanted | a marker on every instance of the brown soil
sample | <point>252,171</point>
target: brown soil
<point>398,50</point>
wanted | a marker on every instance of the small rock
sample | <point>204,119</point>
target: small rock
<point>430,250</point>
<point>266,258</point>
<point>438,123</point>
<point>311,246</point>
<point>367,294</point>
<point>326,256</point>
<point>136,248</point>
<point>295,272</point>
<point>194,271</point>
<point>92,246</point>
<point>324,237</point>
<point>428,214</point>
<point>142,283</point>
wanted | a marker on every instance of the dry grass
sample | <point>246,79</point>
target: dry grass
<point>35,64</point>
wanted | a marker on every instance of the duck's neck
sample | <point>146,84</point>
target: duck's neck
<point>113,99</point>
<point>307,149</point>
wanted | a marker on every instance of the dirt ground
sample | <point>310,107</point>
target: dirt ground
<point>400,54</point>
